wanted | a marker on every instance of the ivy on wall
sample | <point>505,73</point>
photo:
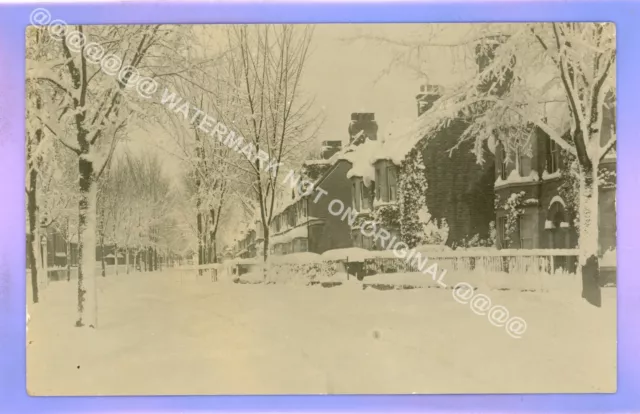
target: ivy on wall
<point>569,188</point>
<point>387,216</point>
<point>412,189</point>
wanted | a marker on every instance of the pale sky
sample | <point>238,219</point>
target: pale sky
<point>349,76</point>
<point>345,73</point>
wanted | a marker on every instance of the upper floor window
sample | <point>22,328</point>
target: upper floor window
<point>378,183</point>
<point>355,196</point>
<point>503,163</point>
<point>392,183</point>
<point>524,162</point>
<point>553,157</point>
<point>366,197</point>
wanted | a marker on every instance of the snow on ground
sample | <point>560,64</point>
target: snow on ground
<point>175,333</point>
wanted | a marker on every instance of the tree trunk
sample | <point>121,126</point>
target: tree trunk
<point>68,251</point>
<point>265,250</point>
<point>145,259</point>
<point>34,241</point>
<point>200,238</point>
<point>588,241</point>
<point>104,267</point>
<point>32,207</point>
<point>205,247</point>
<point>115,252</point>
<point>214,253</point>
<point>155,258</point>
<point>126,259</point>
<point>87,297</point>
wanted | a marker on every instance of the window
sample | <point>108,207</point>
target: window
<point>291,215</point>
<point>355,195</point>
<point>357,238</point>
<point>367,243</point>
<point>503,163</point>
<point>607,220</point>
<point>553,157</point>
<point>366,195</point>
<point>301,245</point>
<point>392,183</point>
<point>502,229</point>
<point>524,163</point>
<point>526,229</point>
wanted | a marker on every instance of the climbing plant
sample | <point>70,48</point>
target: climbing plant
<point>513,209</point>
<point>412,190</point>
<point>569,185</point>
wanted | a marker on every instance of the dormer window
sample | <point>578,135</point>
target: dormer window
<point>355,199</point>
<point>553,157</point>
<point>365,192</point>
<point>378,188</point>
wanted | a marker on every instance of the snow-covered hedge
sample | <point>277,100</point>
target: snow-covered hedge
<point>293,269</point>
<point>559,281</point>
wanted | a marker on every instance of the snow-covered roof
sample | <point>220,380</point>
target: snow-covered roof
<point>316,162</point>
<point>361,159</point>
<point>289,235</point>
<point>401,137</point>
<point>515,177</point>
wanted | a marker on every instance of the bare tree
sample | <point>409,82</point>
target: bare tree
<point>265,67</point>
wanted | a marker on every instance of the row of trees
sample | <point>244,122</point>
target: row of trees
<point>81,179</point>
<point>75,105</point>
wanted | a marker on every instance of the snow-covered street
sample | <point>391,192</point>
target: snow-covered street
<point>174,333</point>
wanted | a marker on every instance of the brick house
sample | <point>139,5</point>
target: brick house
<point>303,225</point>
<point>459,191</point>
<point>536,174</point>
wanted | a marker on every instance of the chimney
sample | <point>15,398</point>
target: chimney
<point>363,125</point>
<point>329,148</point>
<point>427,97</point>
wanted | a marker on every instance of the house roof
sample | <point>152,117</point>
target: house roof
<point>361,159</point>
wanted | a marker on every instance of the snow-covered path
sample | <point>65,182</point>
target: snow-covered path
<point>165,333</point>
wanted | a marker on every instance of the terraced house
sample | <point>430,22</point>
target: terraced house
<point>304,224</point>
